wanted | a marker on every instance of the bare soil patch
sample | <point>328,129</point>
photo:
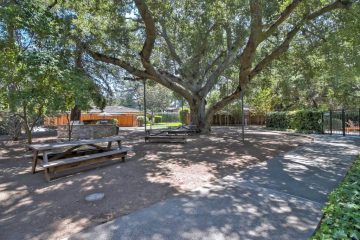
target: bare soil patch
<point>31,208</point>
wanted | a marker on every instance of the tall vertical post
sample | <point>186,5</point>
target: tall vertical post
<point>330,122</point>
<point>343,121</point>
<point>322,123</point>
<point>359,121</point>
<point>242,118</point>
<point>145,105</point>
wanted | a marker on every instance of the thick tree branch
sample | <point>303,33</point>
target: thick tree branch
<point>215,62</point>
<point>223,102</point>
<point>118,62</point>
<point>283,17</point>
<point>284,46</point>
<point>171,47</point>
<point>160,75</point>
<point>150,30</point>
<point>195,61</point>
<point>229,59</point>
<point>247,56</point>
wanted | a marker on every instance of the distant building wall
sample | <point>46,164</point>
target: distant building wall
<point>124,120</point>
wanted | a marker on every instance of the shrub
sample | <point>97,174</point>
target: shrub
<point>114,121</point>
<point>157,119</point>
<point>306,120</point>
<point>302,120</point>
<point>183,113</point>
<point>170,117</point>
<point>141,118</point>
<point>277,120</point>
<point>342,212</point>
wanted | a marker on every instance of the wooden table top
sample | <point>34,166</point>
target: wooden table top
<point>49,146</point>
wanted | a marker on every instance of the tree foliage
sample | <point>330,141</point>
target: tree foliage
<point>264,48</point>
<point>38,74</point>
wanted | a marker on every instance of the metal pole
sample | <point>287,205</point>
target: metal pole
<point>243,118</point>
<point>343,121</point>
<point>145,105</point>
<point>322,122</point>
<point>330,122</point>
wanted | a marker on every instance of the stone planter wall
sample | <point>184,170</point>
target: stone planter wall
<point>87,131</point>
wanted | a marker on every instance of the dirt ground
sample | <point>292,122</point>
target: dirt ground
<point>31,208</point>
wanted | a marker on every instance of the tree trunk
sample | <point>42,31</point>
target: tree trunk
<point>14,126</point>
<point>198,115</point>
<point>28,134</point>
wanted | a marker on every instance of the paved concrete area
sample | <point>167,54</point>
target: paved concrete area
<point>277,199</point>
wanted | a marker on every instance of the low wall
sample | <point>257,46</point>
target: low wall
<point>87,131</point>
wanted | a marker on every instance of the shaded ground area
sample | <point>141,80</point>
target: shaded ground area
<point>277,199</point>
<point>32,208</point>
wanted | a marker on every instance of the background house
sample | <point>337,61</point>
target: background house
<point>125,116</point>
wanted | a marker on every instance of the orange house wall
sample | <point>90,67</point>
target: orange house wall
<point>124,120</point>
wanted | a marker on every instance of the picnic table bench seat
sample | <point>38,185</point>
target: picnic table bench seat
<point>57,157</point>
<point>76,159</point>
<point>165,138</point>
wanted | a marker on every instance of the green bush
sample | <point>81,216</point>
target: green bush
<point>301,121</point>
<point>277,120</point>
<point>183,113</point>
<point>342,212</point>
<point>170,117</point>
<point>141,118</point>
<point>306,121</point>
<point>114,121</point>
<point>157,119</point>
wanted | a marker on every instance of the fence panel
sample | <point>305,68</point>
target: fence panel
<point>124,120</point>
<point>344,122</point>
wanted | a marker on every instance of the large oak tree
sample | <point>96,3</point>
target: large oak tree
<point>189,46</point>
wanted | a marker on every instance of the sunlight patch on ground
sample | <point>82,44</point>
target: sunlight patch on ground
<point>63,227</point>
<point>184,177</point>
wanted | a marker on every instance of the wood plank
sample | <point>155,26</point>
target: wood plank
<point>84,158</point>
<point>34,161</point>
<point>165,137</point>
<point>50,146</point>
<point>70,166</point>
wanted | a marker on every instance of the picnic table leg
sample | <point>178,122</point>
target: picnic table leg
<point>119,143</point>
<point>47,174</point>
<point>109,145</point>
<point>34,161</point>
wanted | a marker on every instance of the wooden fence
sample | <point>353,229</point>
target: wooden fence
<point>124,120</point>
<point>227,119</point>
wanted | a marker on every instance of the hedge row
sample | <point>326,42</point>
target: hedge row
<point>302,120</point>
<point>342,211</point>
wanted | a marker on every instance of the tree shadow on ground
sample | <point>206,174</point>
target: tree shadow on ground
<point>152,173</point>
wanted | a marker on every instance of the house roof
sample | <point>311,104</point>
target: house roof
<point>114,110</point>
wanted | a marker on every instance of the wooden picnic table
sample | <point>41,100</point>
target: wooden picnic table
<point>64,155</point>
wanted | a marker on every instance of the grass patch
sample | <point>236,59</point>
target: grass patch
<point>342,211</point>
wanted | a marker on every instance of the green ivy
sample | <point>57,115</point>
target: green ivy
<point>342,212</point>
